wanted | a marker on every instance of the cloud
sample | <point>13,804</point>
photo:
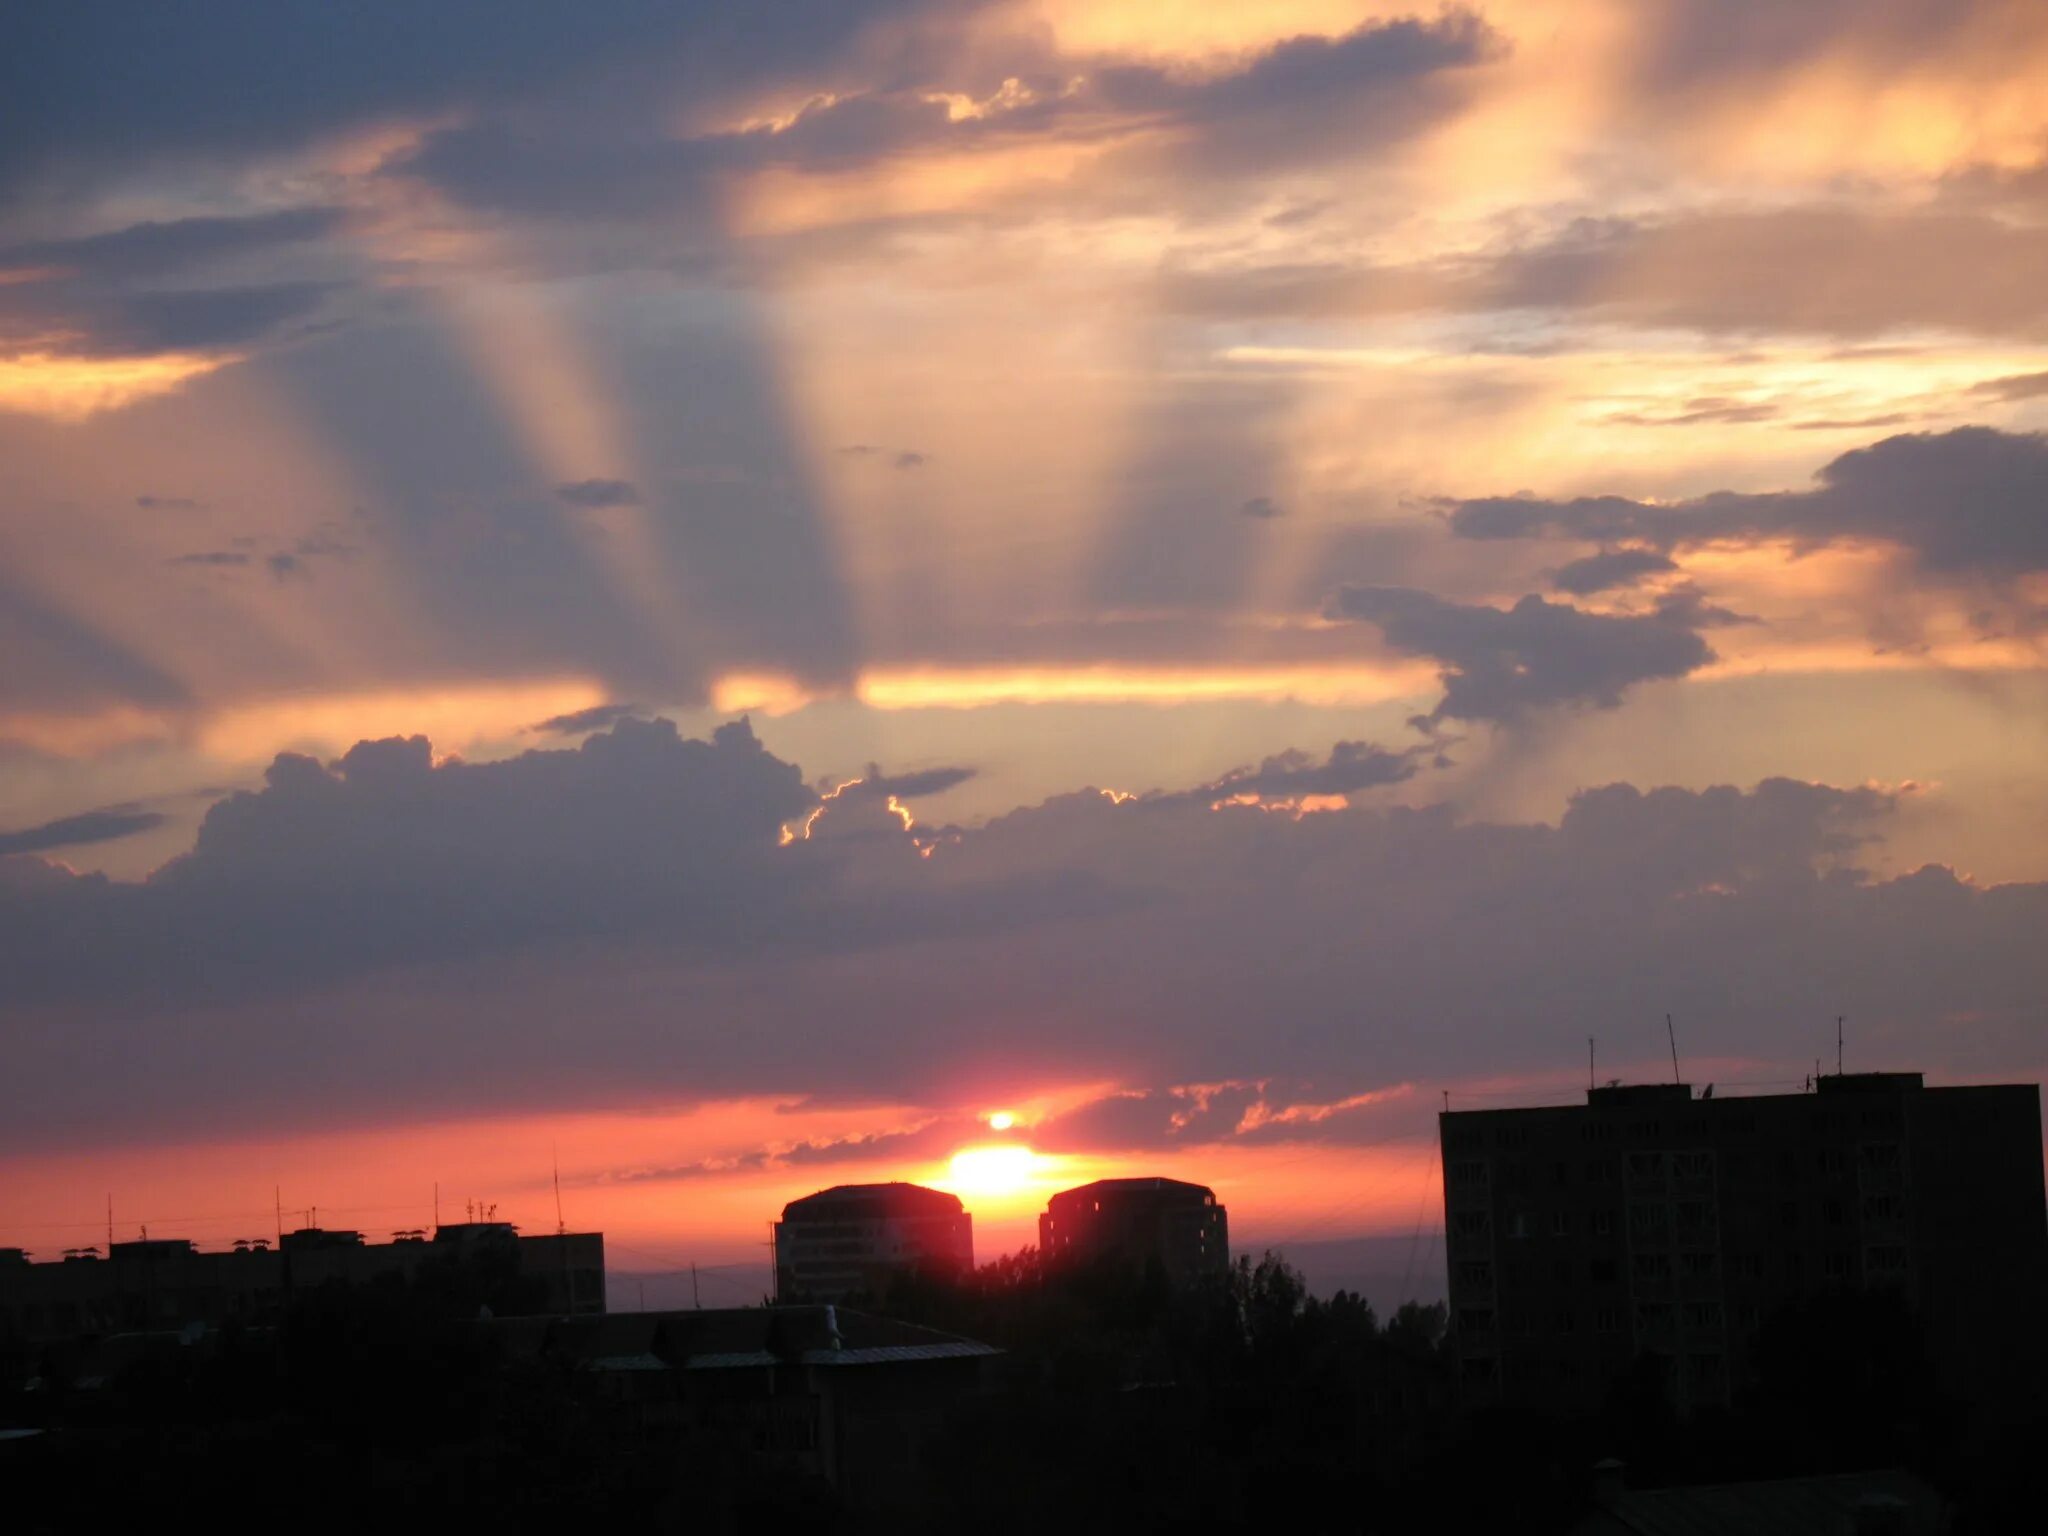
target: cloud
<point>1825,269</point>
<point>1501,663</point>
<point>1609,569</point>
<point>2018,386</point>
<point>101,826</point>
<point>915,785</point>
<point>159,248</point>
<point>1260,507</point>
<point>150,503</point>
<point>599,717</point>
<point>1969,502</point>
<point>1298,101</point>
<point>623,921</point>
<point>211,557</point>
<point>598,494</point>
<point>1351,766</point>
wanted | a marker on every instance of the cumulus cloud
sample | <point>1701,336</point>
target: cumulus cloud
<point>1972,501</point>
<point>625,919</point>
<point>1498,664</point>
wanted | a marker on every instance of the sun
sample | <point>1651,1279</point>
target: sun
<point>992,1170</point>
<point>1001,1120</point>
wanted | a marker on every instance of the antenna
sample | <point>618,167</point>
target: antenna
<point>277,1205</point>
<point>696,1300</point>
<point>561,1227</point>
<point>1672,1035</point>
<point>110,1226</point>
<point>1590,1079</point>
<point>1838,1045</point>
<point>437,1204</point>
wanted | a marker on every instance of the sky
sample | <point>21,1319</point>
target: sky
<point>706,599</point>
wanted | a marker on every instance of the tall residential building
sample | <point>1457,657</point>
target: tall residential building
<point>1139,1221</point>
<point>854,1239</point>
<point>1651,1222</point>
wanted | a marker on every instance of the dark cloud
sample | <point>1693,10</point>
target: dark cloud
<point>1303,99</point>
<point>211,557</point>
<point>927,781</point>
<point>135,85</point>
<point>909,458</point>
<point>101,826</point>
<point>1973,501</point>
<point>599,494</point>
<point>150,503</point>
<point>102,322</point>
<point>1351,766</point>
<point>1609,569</point>
<point>1260,507</point>
<point>619,920</point>
<point>1498,664</point>
<point>155,249</point>
<point>285,566</point>
<point>599,717</point>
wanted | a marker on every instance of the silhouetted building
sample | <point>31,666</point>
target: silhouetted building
<point>797,1391</point>
<point>854,1239</point>
<point>168,1283</point>
<point>1648,1222</point>
<point>1178,1226</point>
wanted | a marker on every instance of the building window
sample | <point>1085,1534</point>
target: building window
<point>1601,1272</point>
<point>1472,1223</point>
<point>1477,1273</point>
<point>1880,1156</point>
<point>1703,1314</point>
<point>1834,1162</point>
<point>1470,1174</point>
<point>1833,1211</point>
<point>1566,1320</point>
<point>1693,1165</point>
<point>1607,1320</point>
<point>1746,1266</point>
<point>1561,1271</point>
<point>1648,1223</point>
<point>1696,1215</point>
<point>1603,1223</point>
<point>1883,1208</point>
<point>1560,1223</point>
<point>1885,1262</point>
<point>1521,1224</point>
<point>1650,1266</point>
<point>1558,1174</point>
<point>1836,1265</point>
<point>1698,1265</point>
<point>1646,1167</point>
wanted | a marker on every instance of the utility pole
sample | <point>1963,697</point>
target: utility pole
<point>1838,1045</point>
<point>696,1300</point>
<point>1672,1035</point>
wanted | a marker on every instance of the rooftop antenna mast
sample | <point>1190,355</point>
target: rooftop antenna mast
<point>1838,1045</point>
<point>1671,1034</point>
<point>561,1227</point>
<point>1590,1078</point>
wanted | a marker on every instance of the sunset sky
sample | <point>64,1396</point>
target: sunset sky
<point>715,594</point>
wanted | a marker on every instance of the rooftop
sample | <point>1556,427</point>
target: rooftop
<point>852,1202</point>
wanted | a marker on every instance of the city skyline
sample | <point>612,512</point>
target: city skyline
<point>708,602</point>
